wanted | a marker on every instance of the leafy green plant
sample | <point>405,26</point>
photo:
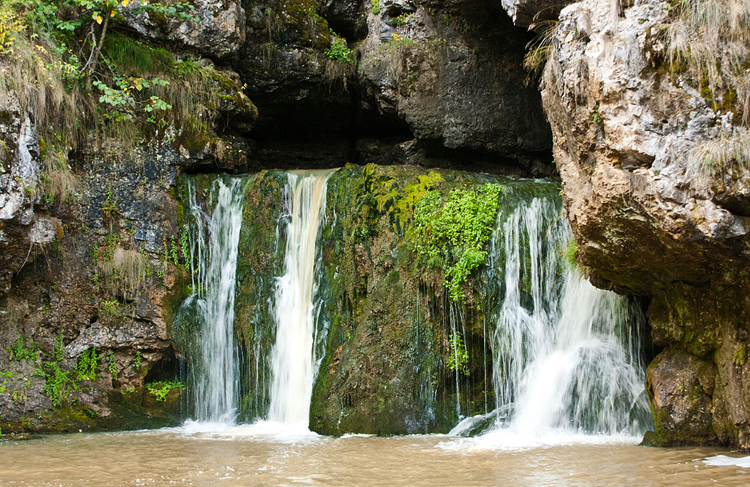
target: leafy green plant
<point>455,231</point>
<point>458,356</point>
<point>596,117</point>
<point>112,367</point>
<point>22,349</point>
<point>87,365</point>
<point>110,307</point>
<point>173,252</point>
<point>375,4</point>
<point>396,42</point>
<point>161,389</point>
<point>137,360</point>
<point>339,51</point>
<point>401,19</point>
<point>109,207</point>
<point>185,244</point>
<point>57,381</point>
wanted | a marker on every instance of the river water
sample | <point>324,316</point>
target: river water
<point>252,455</point>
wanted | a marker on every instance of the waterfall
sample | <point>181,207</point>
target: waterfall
<point>213,381</point>
<point>565,354</point>
<point>293,361</point>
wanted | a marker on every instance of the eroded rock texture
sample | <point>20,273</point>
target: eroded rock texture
<point>648,219</point>
<point>443,77</point>
<point>215,27</point>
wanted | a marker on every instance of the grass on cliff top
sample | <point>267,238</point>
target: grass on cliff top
<point>709,46</point>
<point>137,90</point>
<point>709,43</point>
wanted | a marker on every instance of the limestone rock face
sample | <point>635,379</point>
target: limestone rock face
<point>647,217</point>
<point>21,228</point>
<point>218,28</point>
<point>525,12</point>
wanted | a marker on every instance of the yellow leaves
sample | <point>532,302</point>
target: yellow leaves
<point>97,17</point>
<point>125,3</point>
<point>10,25</point>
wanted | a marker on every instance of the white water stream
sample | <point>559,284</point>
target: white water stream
<point>214,383</point>
<point>565,353</point>
<point>293,362</point>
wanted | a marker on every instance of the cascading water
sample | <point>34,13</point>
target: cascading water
<point>565,354</point>
<point>294,363</point>
<point>213,381</point>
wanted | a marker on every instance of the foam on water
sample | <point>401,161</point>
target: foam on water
<point>270,431</point>
<point>725,461</point>
<point>513,439</point>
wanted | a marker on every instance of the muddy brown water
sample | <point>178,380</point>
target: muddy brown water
<point>237,458</point>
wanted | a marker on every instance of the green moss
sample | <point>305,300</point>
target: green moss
<point>304,16</point>
<point>385,369</point>
<point>740,355</point>
<point>261,251</point>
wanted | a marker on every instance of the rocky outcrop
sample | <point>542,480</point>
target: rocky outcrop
<point>21,228</point>
<point>214,27</point>
<point>96,287</point>
<point>89,273</point>
<point>524,13</point>
<point>681,389</point>
<point>631,140</point>
<point>454,76</point>
<point>448,77</point>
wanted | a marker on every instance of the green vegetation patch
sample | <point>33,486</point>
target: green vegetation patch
<point>339,50</point>
<point>453,231</point>
<point>87,365</point>
<point>23,349</point>
<point>161,389</point>
<point>458,356</point>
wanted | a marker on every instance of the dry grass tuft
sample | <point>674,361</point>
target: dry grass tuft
<point>60,180</point>
<point>709,43</point>
<point>726,155</point>
<point>125,272</point>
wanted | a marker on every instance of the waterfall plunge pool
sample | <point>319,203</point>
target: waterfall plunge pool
<point>250,455</point>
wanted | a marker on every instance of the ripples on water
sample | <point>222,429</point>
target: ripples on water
<point>263,454</point>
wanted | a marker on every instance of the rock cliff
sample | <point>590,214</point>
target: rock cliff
<point>652,156</point>
<point>655,175</point>
<point>92,259</point>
